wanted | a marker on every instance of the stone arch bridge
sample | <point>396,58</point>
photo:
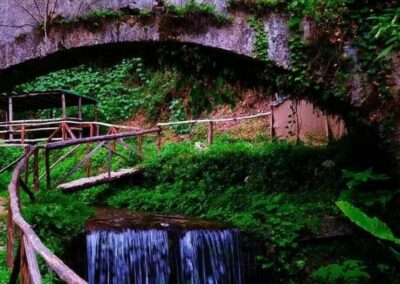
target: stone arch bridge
<point>22,36</point>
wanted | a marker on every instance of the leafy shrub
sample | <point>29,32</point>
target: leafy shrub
<point>57,218</point>
<point>350,271</point>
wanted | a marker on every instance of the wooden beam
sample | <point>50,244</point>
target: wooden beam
<point>69,131</point>
<point>52,135</point>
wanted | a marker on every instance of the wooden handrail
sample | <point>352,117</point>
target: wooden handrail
<point>215,120</point>
<point>67,143</point>
<point>33,123</point>
<point>31,242</point>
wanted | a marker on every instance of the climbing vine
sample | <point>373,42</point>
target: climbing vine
<point>260,44</point>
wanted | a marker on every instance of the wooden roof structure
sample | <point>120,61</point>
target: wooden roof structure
<point>43,100</point>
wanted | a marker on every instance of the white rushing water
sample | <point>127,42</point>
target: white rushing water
<point>143,257</point>
<point>128,257</point>
<point>210,257</point>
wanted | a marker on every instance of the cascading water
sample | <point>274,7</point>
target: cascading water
<point>128,257</point>
<point>143,256</point>
<point>210,257</point>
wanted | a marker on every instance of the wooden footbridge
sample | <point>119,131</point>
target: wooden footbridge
<point>40,138</point>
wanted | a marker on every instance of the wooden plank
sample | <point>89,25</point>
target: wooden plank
<point>83,183</point>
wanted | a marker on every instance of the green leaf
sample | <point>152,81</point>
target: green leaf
<point>374,226</point>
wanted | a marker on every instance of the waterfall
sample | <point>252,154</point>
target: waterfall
<point>144,257</point>
<point>210,257</point>
<point>130,256</point>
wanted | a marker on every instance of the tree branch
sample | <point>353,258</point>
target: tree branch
<point>16,26</point>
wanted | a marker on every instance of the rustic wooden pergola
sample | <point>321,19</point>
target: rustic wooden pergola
<point>53,99</point>
<point>19,103</point>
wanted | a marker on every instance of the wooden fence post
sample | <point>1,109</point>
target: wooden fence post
<point>36,171</point>
<point>47,166</point>
<point>158,140</point>
<point>10,239</point>
<point>24,270</point>
<point>110,151</point>
<point>27,166</point>
<point>210,136</point>
<point>272,130</point>
<point>23,134</point>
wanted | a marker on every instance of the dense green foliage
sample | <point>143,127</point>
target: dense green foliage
<point>350,271</point>
<point>129,87</point>
<point>57,218</point>
<point>276,192</point>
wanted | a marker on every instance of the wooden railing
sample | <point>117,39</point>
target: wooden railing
<point>23,260</point>
<point>59,129</point>
<point>212,121</point>
<point>25,263</point>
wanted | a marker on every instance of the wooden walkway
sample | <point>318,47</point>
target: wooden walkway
<point>83,183</point>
